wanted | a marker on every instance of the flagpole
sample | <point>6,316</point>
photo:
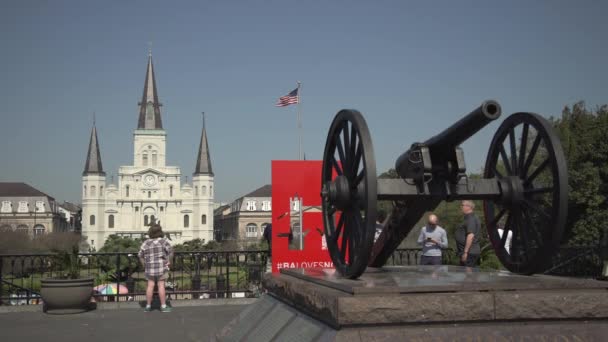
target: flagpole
<point>299,116</point>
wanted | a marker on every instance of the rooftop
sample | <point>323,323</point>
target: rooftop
<point>8,189</point>
<point>264,191</point>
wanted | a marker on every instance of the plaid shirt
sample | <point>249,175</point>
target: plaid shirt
<point>156,254</point>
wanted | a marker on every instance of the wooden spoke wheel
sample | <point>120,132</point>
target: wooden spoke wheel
<point>526,224</point>
<point>348,191</point>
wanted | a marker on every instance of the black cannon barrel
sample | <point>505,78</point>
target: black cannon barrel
<point>467,126</point>
<point>460,131</point>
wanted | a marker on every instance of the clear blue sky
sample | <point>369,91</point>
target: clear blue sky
<point>412,68</point>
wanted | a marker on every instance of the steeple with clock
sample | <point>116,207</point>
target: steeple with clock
<point>149,190</point>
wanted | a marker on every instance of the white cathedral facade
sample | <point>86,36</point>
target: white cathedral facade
<point>149,190</point>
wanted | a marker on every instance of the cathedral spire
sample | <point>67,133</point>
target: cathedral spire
<point>149,107</point>
<point>93,165</point>
<point>203,161</point>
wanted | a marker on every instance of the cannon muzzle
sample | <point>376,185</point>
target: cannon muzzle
<point>411,162</point>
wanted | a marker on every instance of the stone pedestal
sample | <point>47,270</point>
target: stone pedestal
<point>424,303</point>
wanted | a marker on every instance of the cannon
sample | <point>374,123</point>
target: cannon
<point>524,189</point>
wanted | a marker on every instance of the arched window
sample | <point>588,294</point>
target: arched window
<point>252,230</point>
<point>111,221</point>
<point>149,194</point>
<point>84,194</point>
<point>144,158</point>
<point>127,191</point>
<point>92,220</point>
<point>186,221</point>
<point>22,228</point>
<point>152,219</point>
<point>204,219</point>
<point>93,191</point>
<point>154,158</point>
<point>101,190</point>
<point>145,220</point>
<point>203,190</point>
<point>6,228</point>
<point>39,230</point>
<point>170,190</point>
<point>196,191</point>
<point>211,190</point>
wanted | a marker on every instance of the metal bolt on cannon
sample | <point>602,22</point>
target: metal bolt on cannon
<point>524,188</point>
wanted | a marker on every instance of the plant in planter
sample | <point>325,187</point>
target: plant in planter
<point>66,289</point>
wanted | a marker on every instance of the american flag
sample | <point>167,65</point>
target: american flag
<point>288,99</point>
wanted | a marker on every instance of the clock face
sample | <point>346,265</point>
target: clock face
<point>149,180</point>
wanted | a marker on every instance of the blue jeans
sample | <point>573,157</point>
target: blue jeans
<point>430,260</point>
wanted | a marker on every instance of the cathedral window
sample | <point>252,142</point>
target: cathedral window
<point>92,220</point>
<point>145,220</point>
<point>204,219</point>
<point>93,191</point>
<point>149,194</point>
<point>196,191</point>
<point>203,190</point>
<point>266,206</point>
<point>84,193</point>
<point>154,159</point>
<point>127,191</point>
<point>152,219</point>
<point>111,221</point>
<point>186,221</point>
<point>144,158</point>
<point>170,190</point>
<point>101,190</point>
<point>149,111</point>
<point>251,205</point>
<point>252,230</point>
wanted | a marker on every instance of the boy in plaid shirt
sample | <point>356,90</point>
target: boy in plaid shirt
<point>155,253</point>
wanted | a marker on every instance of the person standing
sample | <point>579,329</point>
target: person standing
<point>467,236</point>
<point>433,239</point>
<point>155,253</point>
<point>380,218</point>
<point>267,235</point>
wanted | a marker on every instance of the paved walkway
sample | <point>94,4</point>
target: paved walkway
<point>185,323</point>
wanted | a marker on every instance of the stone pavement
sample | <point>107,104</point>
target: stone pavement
<point>189,321</point>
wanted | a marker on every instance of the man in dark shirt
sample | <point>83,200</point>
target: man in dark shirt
<point>467,236</point>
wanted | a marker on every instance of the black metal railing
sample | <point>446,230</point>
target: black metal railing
<point>210,274</point>
<point>577,261</point>
<point>192,275</point>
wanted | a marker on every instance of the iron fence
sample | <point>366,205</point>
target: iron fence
<point>192,275</point>
<point>209,274</point>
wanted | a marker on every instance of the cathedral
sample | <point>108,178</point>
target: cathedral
<point>149,190</point>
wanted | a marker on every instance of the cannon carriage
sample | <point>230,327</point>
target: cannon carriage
<point>524,189</point>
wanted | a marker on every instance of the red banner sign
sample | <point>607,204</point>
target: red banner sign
<point>297,222</point>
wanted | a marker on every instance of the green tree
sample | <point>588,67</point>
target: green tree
<point>127,264</point>
<point>583,135</point>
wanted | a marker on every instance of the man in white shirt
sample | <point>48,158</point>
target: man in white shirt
<point>508,242</point>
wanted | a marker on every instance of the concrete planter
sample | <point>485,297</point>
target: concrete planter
<point>73,295</point>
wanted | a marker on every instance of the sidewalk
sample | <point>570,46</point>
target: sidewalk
<point>127,323</point>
